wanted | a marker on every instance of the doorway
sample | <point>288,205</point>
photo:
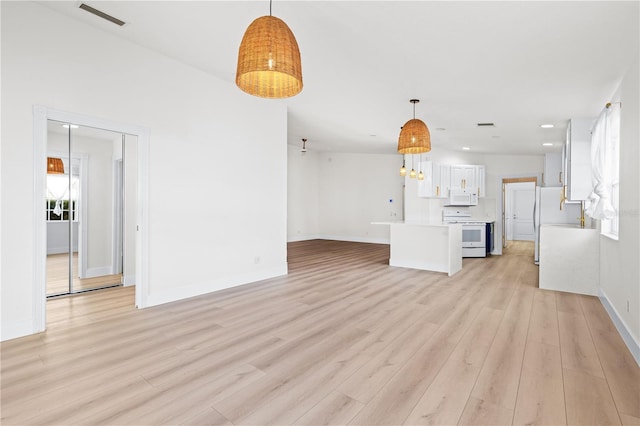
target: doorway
<point>519,209</point>
<point>501,217</point>
<point>136,220</point>
<point>84,208</point>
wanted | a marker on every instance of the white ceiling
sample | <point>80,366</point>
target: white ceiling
<point>516,64</point>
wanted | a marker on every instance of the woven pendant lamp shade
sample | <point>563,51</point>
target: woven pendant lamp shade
<point>55,166</point>
<point>269,60</point>
<point>414,135</point>
<point>414,138</point>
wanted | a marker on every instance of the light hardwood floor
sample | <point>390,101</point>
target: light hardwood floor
<point>343,339</point>
<point>58,276</point>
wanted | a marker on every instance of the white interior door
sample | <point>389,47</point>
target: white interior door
<point>523,201</point>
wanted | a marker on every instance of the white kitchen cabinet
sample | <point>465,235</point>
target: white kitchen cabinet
<point>578,158</point>
<point>426,186</point>
<point>439,179</point>
<point>444,182</point>
<point>463,176</point>
<point>436,180</point>
<point>480,180</point>
<point>552,169</point>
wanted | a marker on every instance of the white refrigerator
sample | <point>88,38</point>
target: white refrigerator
<point>546,210</point>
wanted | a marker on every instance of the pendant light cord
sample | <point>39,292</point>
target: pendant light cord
<point>270,1</point>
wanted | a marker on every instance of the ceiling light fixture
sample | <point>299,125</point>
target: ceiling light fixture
<point>73,126</point>
<point>465,148</point>
<point>55,166</point>
<point>403,169</point>
<point>420,174</point>
<point>412,173</point>
<point>547,126</point>
<point>547,144</point>
<point>414,135</point>
<point>269,63</point>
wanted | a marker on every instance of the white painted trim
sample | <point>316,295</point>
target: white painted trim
<point>117,216</point>
<point>302,238</point>
<point>628,338</point>
<point>339,238</point>
<point>83,238</point>
<point>375,240</point>
<point>100,271</point>
<point>197,289</point>
<point>128,280</point>
<point>17,329</point>
<point>497,230</point>
<point>39,275</point>
<point>40,116</point>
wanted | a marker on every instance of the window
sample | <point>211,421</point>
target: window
<point>610,226</point>
<point>58,205</point>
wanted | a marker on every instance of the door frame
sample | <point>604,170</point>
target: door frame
<point>501,182</point>
<point>512,202</point>
<point>41,114</point>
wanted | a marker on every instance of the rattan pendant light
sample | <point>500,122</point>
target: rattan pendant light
<point>55,166</point>
<point>414,135</point>
<point>269,63</point>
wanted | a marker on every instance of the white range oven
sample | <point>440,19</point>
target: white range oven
<point>474,232</point>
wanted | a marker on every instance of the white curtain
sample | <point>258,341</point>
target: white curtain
<point>607,127</point>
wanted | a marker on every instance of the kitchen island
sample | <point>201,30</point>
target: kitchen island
<point>431,246</point>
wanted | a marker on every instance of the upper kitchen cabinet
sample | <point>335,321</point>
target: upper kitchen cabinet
<point>552,169</point>
<point>441,178</point>
<point>578,159</point>
<point>480,180</point>
<point>463,177</point>
<point>436,180</point>
<point>470,177</point>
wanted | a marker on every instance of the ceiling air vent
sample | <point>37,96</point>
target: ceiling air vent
<point>101,14</point>
<point>486,125</point>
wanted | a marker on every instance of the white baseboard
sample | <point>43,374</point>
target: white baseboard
<point>374,240</point>
<point>302,238</point>
<point>13,330</point>
<point>128,280</point>
<point>621,326</point>
<point>197,289</point>
<point>98,272</point>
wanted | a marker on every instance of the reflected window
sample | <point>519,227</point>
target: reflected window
<point>62,201</point>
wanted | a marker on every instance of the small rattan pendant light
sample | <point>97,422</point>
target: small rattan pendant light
<point>414,135</point>
<point>55,166</point>
<point>269,63</point>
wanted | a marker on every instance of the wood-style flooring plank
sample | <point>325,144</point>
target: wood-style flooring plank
<point>342,339</point>
<point>588,400</point>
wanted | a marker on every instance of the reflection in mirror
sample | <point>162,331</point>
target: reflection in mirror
<point>84,209</point>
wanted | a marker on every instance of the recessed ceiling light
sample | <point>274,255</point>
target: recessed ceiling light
<point>66,126</point>
<point>466,148</point>
<point>547,126</point>
<point>547,144</point>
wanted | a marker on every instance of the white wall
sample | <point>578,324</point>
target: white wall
<point>619,265</point>
<point>229,228</point>
<point>355,190</point>
<point>338,195</point>
<point>302,194</point>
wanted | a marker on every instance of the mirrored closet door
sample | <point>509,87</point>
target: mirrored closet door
<point>84,208</point>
